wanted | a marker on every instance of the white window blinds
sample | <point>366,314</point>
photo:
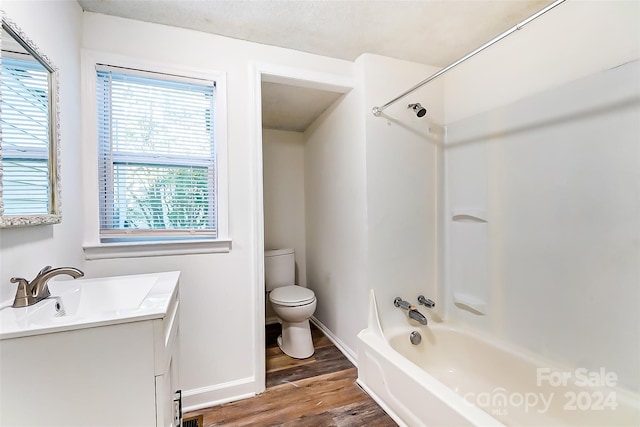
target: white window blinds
<point>25,137</point>
<point>157,171</point>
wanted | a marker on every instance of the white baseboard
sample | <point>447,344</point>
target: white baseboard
<point>344,349</point>
<point>218,394</point>
<point>205,397</point>
<point>271,320</point>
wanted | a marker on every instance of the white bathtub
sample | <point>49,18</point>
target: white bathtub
<point>455,378</point>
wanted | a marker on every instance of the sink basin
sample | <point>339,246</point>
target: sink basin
<point>84,303</point>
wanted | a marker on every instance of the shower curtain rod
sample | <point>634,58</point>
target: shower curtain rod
<point>378,110</point>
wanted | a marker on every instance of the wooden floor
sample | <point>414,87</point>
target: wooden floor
<point>315,392</point>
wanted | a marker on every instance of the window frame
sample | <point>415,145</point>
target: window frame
<point>166,243</point>
<point>110,156</point>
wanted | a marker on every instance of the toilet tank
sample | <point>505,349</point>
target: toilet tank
<point>279,268</point>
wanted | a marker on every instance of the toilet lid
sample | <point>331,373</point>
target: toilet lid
<point>292,295</point>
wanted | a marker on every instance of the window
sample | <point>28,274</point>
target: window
<point>25,137</point>
<point>157,156</point>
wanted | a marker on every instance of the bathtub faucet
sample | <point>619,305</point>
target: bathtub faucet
<point>411,310</point>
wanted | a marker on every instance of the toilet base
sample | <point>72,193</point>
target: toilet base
<point>295,340</point>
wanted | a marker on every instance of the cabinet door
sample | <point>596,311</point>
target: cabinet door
<point>168,405</point>
<point>168,410</point>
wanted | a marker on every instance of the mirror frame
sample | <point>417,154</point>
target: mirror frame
<point>55,206</point>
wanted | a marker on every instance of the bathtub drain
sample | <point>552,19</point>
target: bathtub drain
<point>415,337</point>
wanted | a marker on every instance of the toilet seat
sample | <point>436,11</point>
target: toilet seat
<point>292,296</point>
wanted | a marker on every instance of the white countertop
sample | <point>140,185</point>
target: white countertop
<point>87,303</point>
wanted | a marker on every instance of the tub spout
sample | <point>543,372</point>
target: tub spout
<point>411,310</point>
<point>416,315</point>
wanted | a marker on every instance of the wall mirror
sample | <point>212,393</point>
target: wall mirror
<point>29,132</point>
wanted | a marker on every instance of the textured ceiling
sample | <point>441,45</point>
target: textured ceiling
<point>426,31</point>
<point>293,108</point>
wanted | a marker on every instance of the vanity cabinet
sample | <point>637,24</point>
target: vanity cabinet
<point>120,374</point>
<point>168,407</point>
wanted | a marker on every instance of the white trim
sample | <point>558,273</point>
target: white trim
<point>271,320</point>
<point>311,79</point>
<point>340,345</point>
<point>344,349</point>
<point>255,79</point>
<point>160,248</point>
<point>259,72</point>
<point>206,397</point>
<point>128,71</point>
<point>89,59</point>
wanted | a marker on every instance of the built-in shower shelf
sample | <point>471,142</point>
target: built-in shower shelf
<point>469,215</point>
<point>470,301</point>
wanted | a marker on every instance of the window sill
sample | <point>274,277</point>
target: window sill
<point>153,249</point>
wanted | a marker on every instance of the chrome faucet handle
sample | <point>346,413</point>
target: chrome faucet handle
<point>429,303</point>
<point>24,293</point>
<point>399,302</point>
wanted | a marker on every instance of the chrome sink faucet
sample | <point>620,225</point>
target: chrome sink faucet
<point>31,293</point>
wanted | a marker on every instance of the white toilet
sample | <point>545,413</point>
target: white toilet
<point>293,304</point>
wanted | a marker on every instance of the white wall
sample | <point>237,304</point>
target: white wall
<point>283,195</point>
<point>404,184</point>
<point>555,164</point>
<point>283,174</point>
<point>56,28</point>
<point>336,220</point>
<point>221,357</point>
<point>372,187</point>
